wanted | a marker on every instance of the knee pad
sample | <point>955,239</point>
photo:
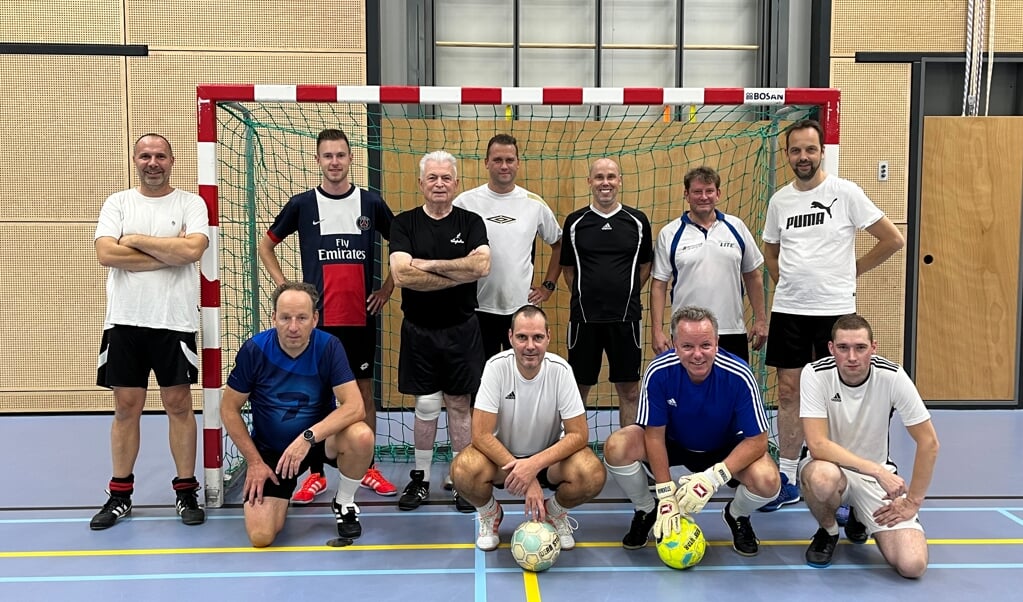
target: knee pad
<point>428,406</point>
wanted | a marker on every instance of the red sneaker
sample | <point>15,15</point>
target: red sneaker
<point>314,485</point>
<point>376,481</point>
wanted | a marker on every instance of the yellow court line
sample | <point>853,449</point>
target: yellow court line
<point>407,547</point>
<point>532,585</point>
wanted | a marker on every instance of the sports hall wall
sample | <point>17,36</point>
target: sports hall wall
<point>68,122</point>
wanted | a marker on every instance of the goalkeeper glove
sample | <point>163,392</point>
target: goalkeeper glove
<point>668,518</point>
<point>696,489</point>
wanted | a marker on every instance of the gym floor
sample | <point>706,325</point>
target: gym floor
<point>58,466</point>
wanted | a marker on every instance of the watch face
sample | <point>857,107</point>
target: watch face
<point>308,435</point>
<point>548,285</point>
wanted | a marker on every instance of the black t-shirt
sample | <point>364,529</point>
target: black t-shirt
<point>451,237</point>
<point>606,252</point>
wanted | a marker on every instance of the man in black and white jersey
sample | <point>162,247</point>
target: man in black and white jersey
<point>606,254</point>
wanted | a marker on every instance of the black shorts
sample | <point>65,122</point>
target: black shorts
<point>360,343</point>
<point>736,344</point>
<point>128,353</point>
<point>622,341</point>
<point>697,461</point>
<point>286,487</point>
<point>449,359</point>
<point>794,341</point>
<point>494,330</point>
<point>541,477</point>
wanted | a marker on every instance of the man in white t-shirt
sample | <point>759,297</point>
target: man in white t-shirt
<point>710,258</point>
<point>514,218</point>
<point>846,407</point>
<point>810,252</point>
<point>529,432</point>
<point>150,238</point>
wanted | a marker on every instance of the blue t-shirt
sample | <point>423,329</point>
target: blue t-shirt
<point>716,413</point>
<point>288,395</point>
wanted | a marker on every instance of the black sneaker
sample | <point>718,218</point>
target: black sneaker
<point>855,531</point>
<point>347,518</point>
<point>188,507</point>
<point>415,492</point>
<point>461,504</point>
<point>744,540</point>
<point>114,510</point>
<point>822,548</point>
<point>639,530</point>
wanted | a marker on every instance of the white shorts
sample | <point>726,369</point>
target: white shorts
<point>866,495</point>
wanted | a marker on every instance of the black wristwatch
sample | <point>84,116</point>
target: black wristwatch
<point>309,437</point>
<point>547,284</point>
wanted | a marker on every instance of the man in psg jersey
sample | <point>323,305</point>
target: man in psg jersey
<point>438,252</point>
<point>337,224</point>
<point>605,256</point>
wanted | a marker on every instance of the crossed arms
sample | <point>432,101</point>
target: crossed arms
<point>437,274</point>
<point>143,253</point>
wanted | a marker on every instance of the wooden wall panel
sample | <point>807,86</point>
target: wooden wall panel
<point>875,127</point>
<point>969,258</point>
<point>265,25</point>
<point>63,131</point>
<point>66,22</point>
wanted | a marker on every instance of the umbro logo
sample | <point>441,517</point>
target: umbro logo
<point>671,402</point>
<point>607,226</point>
<point>457,240</point>
<point>837,398</point>
<point>510,395</point>
<point>501,219</point>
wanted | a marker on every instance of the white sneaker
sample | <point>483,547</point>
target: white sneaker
<point>565,525</point>
<point>489,538</point>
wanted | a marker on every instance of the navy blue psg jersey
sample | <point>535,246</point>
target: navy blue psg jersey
<point>288,395</point>
<point>720,411</point>
<point>452,237</point>
<point>337,243</point>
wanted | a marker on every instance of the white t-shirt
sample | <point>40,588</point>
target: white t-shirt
<point>817,233</point>
<point>710,264</point>
<point>859,417</point>
<point>529,412</point>
<point>167,298</point>
<point>513,221</point>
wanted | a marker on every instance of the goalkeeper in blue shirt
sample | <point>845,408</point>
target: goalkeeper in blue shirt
<point>699,407</point>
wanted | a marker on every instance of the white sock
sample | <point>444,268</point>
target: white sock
<point>424,458</point>
<point>745,502</point>
<point>489,508</point>
<point>447,479</point>
<point>832,530</point>
<point>632,480</point>
<point>554,508</point>
<point>346,489</point>
<point>789,468</point>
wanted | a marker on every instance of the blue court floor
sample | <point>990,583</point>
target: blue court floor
<point>57,467</point>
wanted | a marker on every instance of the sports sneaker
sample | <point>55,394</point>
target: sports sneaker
<point>639,531</point>
<point>312,486</point>
<point>188,508</point>
<point>855,531</point>
<point>376,481</point>
<point>347,518</point>
<point>114,510</point>
<point>565,525</point>
<point>461,504</point>
<point>822,548</point>
<point>488,537</point>
<point>789,494</point>
<point>415,492</point>
<point>842,515</point>
<point>744,540</point>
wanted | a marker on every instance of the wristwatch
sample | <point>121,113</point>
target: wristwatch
<point>547,284</point>
<point>309,437</point>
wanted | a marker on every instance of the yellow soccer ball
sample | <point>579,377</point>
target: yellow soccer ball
<point>683,549</point>
<point>535,545</point>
